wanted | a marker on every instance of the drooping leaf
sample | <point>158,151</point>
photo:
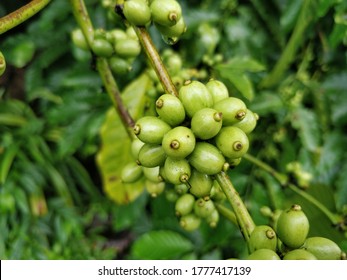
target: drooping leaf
<point>160,245</point>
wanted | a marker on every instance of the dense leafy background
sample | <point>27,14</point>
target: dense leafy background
<point>53,107</point>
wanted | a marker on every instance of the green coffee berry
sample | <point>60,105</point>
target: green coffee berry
<point>213,219</point>
<point>181,189</point>
<point>136,146</point>
<point>217,193</point>
<point>232,142</point>
<point>119,65</point>
<point>248,123</point>
<point>233,110</point>
<point>170,109</point>
<point>127,48</point>
<point>218,90</point>
<point>195,96</point>
<point>131,172</point>
<point>206,158</point>
<point>206,123</point>
<point>174,66</point>
<point>102,47</point>
<point>150,129</point>
<point>137,12</point>
<point>293,227</point>
<point>78,39</point>
<point>177,171</point>
<point>200,184</point>
<point>263,254</point>
<point>179,142</point>
<point>323,248</point>
<point>203,208</point>
<point>154,188</point>
<point>299,254</point>
<point>262,237</point>
<point>116,35</point>
<point>151,155</point>
<point>152,174</point>
<point>234,162</point>
<point>190,222</point>
<point>170,40</point>
<point>173,31</point>
<point>171,195</point>
<point>184,204</point>
<point>166,12</point>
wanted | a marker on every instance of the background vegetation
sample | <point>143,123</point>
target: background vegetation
<point>285,59</point>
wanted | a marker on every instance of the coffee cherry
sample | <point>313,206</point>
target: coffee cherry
<point>263,254</point>
<point>181,189</point>
<point>323,248</point>
<point>136,146</point>
<point>177,171</point>
<point>195,96</point>
<point>206,158</point>
<point>78,39</point>
<point>179,142</point>
<point>206,123</point>
<point>248,123</point>
<point>137,12</point>
<point>232,142</point>
<point>102,47</point>
<point>173,31</point>
<point>153,188</point>
<point>131,172</point>
<point>262,237</point>
<point>233,110</point>
<point>203,208</point>
<point>190,222</point>
<point>213,219</point>
<point>127,48</point>
<point>150,129</point>
<point>119,65</point>
<point>217,193</point>
<point>299,254</point>
<point>116,35</point>
<point>234,162</point>
<point>200,184</point>
<point>218,90</point>
<point>293,227</point>
<point>166,12</point>
<point>152,174</point>
<point>171,195</point>
<point>151,155</point>
<point>184,204</point>
<point>170,109</point>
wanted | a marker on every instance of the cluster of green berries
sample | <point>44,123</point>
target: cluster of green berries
<point>288,240</point>
<point>2,64</point>
<point>165,14</point>
<point>192,138</point>
<point>119,46</point>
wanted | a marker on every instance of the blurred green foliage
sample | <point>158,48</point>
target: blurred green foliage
<point>53,105</point>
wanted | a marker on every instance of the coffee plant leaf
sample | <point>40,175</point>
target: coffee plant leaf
<point>115,146</point>
<point>161,245</point>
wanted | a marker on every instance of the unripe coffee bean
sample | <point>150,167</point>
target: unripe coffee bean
<point>127,48</point>
<point>195,96</point>
<point>190,222</point>
<point>119,65</point>
<point>218,90</point>
<point>102,47</point>
<point>154,188</point>
<point>181,189</point>
<point>233,110</point>
<point>179,142</point>
<point>203,208</point>
<point>200,184</point>
<point>173,31</point>
<point>323,248</point>
<point>151,155</point>
<point>166,12</point>
<point>293,227</point>
<point>78,39</point>
<point>131,172</point>
<point>217,193</point>
<point>184,204</point>
<point>206,158</point>
<point>206,123</point>
<point>262,237</point>
<point>213,219</point>
<point>150,129</point>
<point>177,171</point>
<point>137,12</point>
<point>232,142</point>
<point>136,146</point>
<point>299,254</point>
<point>152,174</point>
<point>248,123</point>
<point>263,254</point>
<point>170,109</point>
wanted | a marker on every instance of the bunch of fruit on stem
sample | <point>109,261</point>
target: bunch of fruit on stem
<point>192,138</point>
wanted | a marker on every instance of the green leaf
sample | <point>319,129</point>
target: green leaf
<point>266,102</point>
<point>161,245</point>
<point>341,186</point>
<point>241,64</point>
<point>21,51</point>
